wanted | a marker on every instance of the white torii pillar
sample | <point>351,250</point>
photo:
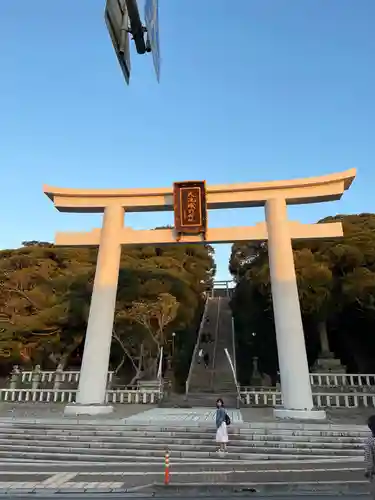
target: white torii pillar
<point>291,346</point>
<point>91,395</point>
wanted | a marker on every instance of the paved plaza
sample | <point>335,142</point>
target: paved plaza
<point>172,495</point>
<point>55,411</point>
<point>286,478</point>
<point>139,413</point>
<point>184,416</point>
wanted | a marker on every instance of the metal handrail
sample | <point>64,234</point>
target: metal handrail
<point>216,341</point>
<point>234,377</point>
<point>235,364</point>
<point>196,347</point>
<point>234,347</point>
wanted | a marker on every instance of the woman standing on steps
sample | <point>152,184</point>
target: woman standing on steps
<point>221,426</point>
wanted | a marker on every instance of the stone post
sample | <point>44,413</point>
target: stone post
<point>14,377</point>
<point>92,385</point>
<point>58,378</point>
<point>36,378</point>
<point>325,351</point>
<point>256,377</point>
<point>294,368</point>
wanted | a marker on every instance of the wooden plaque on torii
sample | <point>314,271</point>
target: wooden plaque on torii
<point>190,208</point>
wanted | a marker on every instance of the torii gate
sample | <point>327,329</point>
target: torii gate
<point>278,230</point>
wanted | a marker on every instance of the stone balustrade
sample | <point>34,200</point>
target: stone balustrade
<point>321,400</point>
<point>154,396</point>
<point>329,390</point>
<point>32,386</point>
<point>22,379</point>
<point>332,379</point>
<point>124,396</point>
<point>338,390</point>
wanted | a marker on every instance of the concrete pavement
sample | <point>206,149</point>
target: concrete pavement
<point>142,414</point>
<point>174,496</point>
<point>271,478</point>
<point>176,467</point>
<point>55,411</point>
<point>339,416</point>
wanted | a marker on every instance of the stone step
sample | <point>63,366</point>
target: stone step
<point>187,467</point>
<point>169,440</point>
<point>73,457</point>
<point>250,442</point>
<point>67,441</point>
<point>203,379</point>
<point>105,447</point>
<point>183,429</point>
<point>94,454</point>
<point>199,402</point>
<point>190,435</point>
<point>211,464</point>
<point>211,395</point>
<point>203,402</point>
<point>182,464</point>
<point>102,443</point>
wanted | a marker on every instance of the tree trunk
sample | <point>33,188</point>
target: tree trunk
<point>323,336</point>
<point>126,354</point>
<point>66,355</point>
<point>136,377</point>
<point>120,365</point>
<point>62,360</point>
<point>155,367</point>
<point>141,356</point>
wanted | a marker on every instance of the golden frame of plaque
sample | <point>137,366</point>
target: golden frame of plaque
<point>190,207</point>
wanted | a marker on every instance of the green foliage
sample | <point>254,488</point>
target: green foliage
<point>336,285</point>
<point>154,316</point>
<point>45,295</point>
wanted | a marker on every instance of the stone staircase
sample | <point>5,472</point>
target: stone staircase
<point>223,379</point>
<point>122,443</point>
<point>202,377</point>
<point>208,384</point>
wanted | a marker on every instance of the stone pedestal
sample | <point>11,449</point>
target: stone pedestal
<point>74,410</point>
<point>286,414</point>
<point>15,377</point>
<point>256,377</point>
<point>36,378</point>
<point>328,363</point>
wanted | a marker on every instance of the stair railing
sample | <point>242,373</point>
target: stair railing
<point>196,347</point>
<point>235,364</point>
<point>234,348</point>
<point>234,377</point>
<point>216,341</point>
<point>160,368</point>
<point>160,373</point>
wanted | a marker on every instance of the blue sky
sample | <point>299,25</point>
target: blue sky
<point>270,89</point>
